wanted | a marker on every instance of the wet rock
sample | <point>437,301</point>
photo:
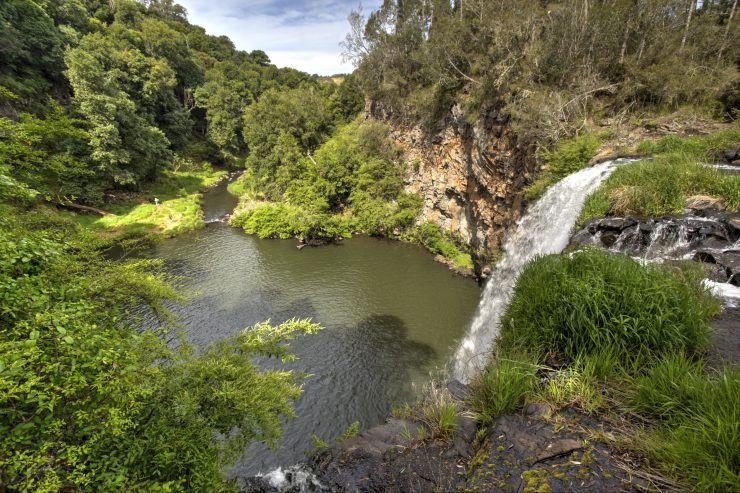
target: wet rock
<point>592,225</point>
<point>731,154</point>
<point>705,256</point>
<point>583,237</point>
<point>616,223</point>
<point>732,221</point>
<point>457,390</point>
<point>730,261</point>
<point>538,410</point>
<point>609,238</point>
<point>522,454</point>
<point>394,458</point>
<point>669,237</point>
<point>646,227</point>
<point>725,346</point>
<point>558,448</point>
<point>294,479</point>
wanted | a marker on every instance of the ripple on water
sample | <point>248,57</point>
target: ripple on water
<point>391,315</point>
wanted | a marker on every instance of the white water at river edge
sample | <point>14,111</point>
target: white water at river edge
<point>544,229</point>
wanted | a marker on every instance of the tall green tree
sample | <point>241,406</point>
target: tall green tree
<point>117,90</point>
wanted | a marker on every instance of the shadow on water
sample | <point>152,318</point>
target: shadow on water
<point>391,315</point>
<point>376,352</point>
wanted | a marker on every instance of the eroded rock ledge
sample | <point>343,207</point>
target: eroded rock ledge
<point>705,235</point>
<point>535,451</point>
<point>470,175</point>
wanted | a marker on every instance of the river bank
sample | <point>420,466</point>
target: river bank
<point>166,208</point>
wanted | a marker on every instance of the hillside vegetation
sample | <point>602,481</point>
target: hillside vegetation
<point>552,65</point>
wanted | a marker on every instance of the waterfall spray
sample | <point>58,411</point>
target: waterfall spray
<point>544,229</point>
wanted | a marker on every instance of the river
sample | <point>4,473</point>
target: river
<point>391,315</point>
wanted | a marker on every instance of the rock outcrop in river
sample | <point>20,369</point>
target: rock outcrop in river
<point>470,175</point>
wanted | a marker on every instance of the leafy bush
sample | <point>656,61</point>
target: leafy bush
<point>698,435</point>
<point>276,220</point>
<point>567,157</point>
<point>90,403</point>
<point>594,302</point>
<point>440,242</point>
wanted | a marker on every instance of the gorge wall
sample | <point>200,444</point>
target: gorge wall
<point>470,175</point>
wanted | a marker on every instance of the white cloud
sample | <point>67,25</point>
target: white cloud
<point>302,35</point>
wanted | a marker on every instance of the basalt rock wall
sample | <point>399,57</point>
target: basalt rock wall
<point>469,171</point>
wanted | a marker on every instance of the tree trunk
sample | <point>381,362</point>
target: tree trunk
<point>624,45</point>
<point>692,3</point>
<point>727,32</point>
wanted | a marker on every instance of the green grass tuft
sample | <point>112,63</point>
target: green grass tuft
<point>503,386</point>
<point>660,186</point>
<point>593,302</point>
<point>567,157</point>
<point>699,432</point>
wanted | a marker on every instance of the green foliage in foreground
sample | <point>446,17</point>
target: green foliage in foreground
<point>592,302</point>
<point>661,185</point>
<point>503,385</point>
<point>699,413</point>
<point>568,156</point>
<point>89,403</point>
<point>630,338</point>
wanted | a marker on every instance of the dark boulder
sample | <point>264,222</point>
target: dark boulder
<point>731,154</point>
<point>616,223</point>
<point>609,238</point>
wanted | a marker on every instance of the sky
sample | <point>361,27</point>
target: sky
<point>294,33</point>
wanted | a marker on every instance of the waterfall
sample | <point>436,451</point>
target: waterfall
<point>544,229</point>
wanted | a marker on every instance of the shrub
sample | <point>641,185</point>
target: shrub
<point>90,403</point>
<point>593,302</point>
<point>276,220</point>
<point>441,242</point>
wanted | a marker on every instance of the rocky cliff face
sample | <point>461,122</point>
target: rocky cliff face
<point>470,175</point>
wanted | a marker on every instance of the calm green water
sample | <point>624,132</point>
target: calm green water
<point>391,315</point>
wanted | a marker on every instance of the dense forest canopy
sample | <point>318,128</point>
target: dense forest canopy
<point>551,63</point>
<point>133,87</point>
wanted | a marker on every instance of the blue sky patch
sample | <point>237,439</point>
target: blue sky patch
<point>303,35</point>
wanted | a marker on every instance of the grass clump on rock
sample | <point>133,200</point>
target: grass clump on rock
<point>567,157</point>
<point>593,302</point>
<point>660,186</point>
<point>699,416</point>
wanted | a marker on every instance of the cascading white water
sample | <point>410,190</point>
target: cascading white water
<point>544,229</point>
